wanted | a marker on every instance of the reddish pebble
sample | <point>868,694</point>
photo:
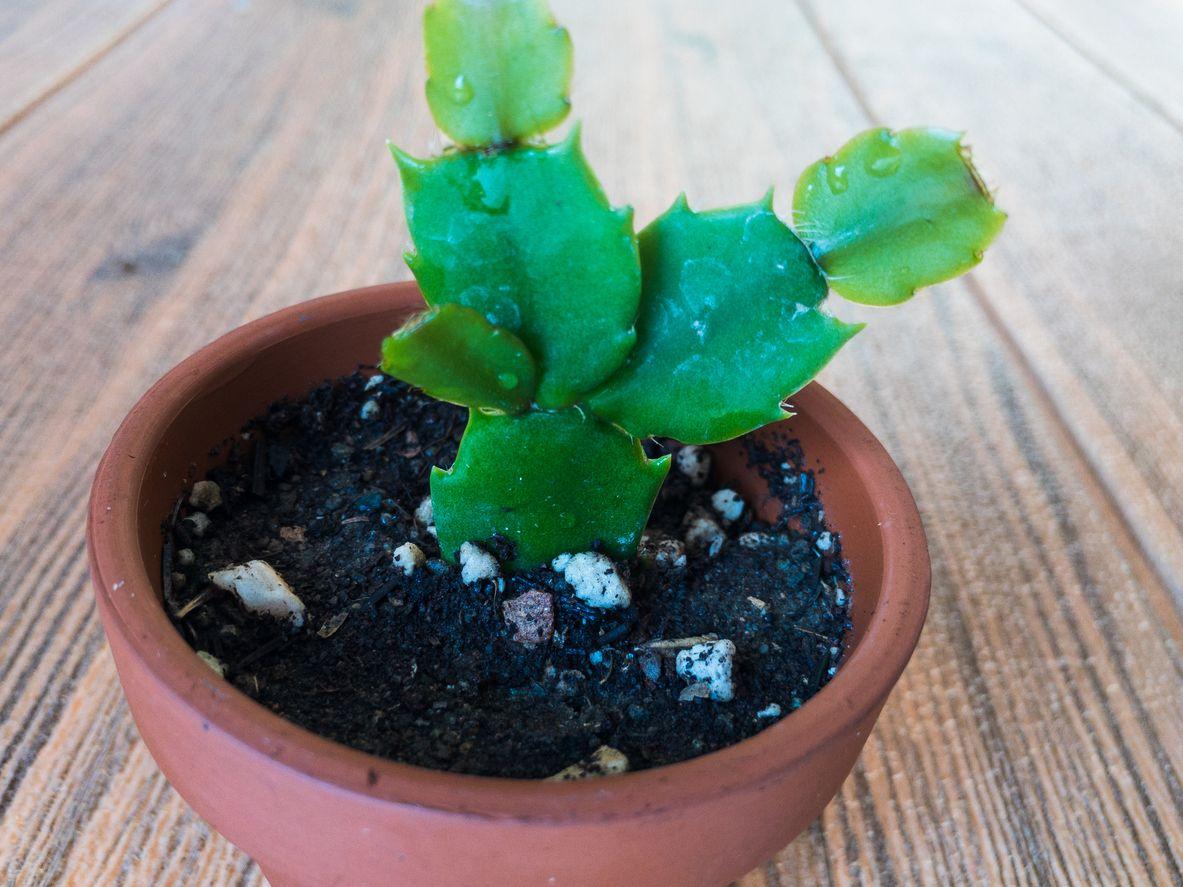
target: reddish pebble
<point>532,615</point>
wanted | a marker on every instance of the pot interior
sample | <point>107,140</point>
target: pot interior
<point>229,389</point>
<point>848,506</point>
<point>191,440</point>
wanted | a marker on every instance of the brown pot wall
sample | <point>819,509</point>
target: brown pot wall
<point>313,812</point>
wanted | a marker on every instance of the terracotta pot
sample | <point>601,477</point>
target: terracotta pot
<point>313,812</point>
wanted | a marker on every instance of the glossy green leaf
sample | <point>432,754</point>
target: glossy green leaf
<point>892,212</point>
<point>454,354</point>
<point>527,238</point>
<point>550,482</point>
<point>497,71</point>
<point>728,326</point>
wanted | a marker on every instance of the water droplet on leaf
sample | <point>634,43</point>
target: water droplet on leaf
<point>488,190</point>
<point>499,308</point>
<point>883,158</point>
<point>461,90</point>
<point>836,177</point>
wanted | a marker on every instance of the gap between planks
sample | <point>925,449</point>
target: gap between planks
<point>81,67</point>
<point>1132,89</point>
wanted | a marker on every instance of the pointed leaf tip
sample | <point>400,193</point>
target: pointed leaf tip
<point>572,142</point>
<point>410,169</point>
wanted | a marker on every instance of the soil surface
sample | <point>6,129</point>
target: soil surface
<point>424,669</point>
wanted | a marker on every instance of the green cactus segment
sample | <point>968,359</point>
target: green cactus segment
<point>527,238</point>
<point>892,212</point>
<point>549,482</point>
<point>497,72</point>
<point>728,326</point>
<point>454,354</point>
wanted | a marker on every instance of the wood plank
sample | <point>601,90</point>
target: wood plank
<point>215,166</point>
<point>1134,44</point>
<point>1083,281</point>
<point>44,44</point>
<point>141,834</point>
<point>149,195</point>
<point>944,474</point>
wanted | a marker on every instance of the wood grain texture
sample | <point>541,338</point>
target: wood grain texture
<point>225,158</point>
<point>1083,282</point>
<point>1135,46</point>
<point>44,44</point>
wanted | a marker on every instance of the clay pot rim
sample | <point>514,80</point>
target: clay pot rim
<point>860,685</point>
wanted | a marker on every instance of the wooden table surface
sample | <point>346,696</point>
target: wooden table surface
<point>171,168</point>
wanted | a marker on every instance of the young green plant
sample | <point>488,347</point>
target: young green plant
<point>570,338</point>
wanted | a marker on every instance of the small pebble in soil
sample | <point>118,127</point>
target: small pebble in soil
<point>205,495</point>
<point>604,761</point>
<point>594,579</point>
<point>477,564</point>
<point>198,524</point>
<point>662,551</point>
<point>754,540</point>
<point>369,410</point>
<point>695,463</point>
<point>694,692</point>
<point>425,512</point>
<point>650,664</point>
<point>185,557</point>
<point>332,624</point>
<point>217,666</point>
<point>710,663</point>
<point>425,516</point>
<point>728,504</point>
<point>703,534</point>
<point>772,710</point>
<point>531,615</point>
<point>408,558</point>
<point>293,534</point>
<point>261,590</point>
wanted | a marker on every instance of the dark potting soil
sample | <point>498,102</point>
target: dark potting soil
<point>424,669</point>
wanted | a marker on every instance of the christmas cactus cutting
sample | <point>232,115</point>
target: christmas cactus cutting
<point>571,338</point>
